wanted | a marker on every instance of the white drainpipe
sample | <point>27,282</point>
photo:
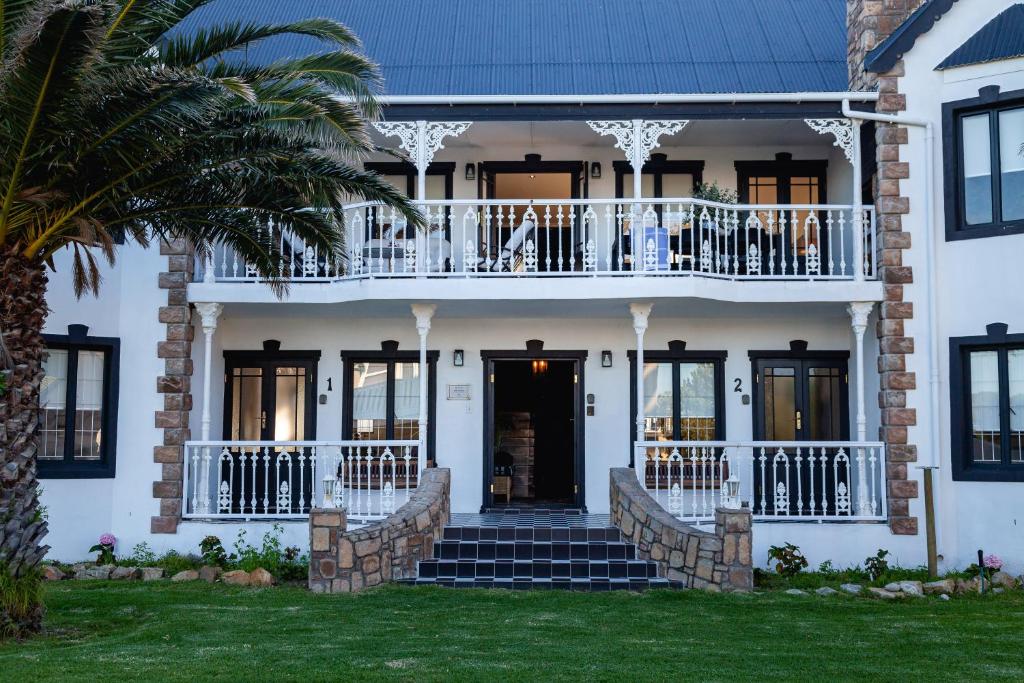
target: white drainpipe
<point>930,460</point>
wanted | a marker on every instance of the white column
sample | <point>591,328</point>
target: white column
<point>423,313</point>
<point>208,313</point>
<point>859,312</point>
<point>421,160</point>
<point>638,156</point>
<point>640,312</point>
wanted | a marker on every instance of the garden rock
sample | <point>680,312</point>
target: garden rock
<point>236,578</point>
<point>260,577</point>
<point>998,590</point>
<point>103,572</point>
<point>883,593</point>
<point>944,596</point>
<point>126,573</point>
<point>51,573</point>
<point>893,587</point>
<point>1003,579</point>
<point>851,588</point>
<point>152,573</point>
<point>795,591</point>
<point>209,574</point>
<point>943,587</point>
<point>912,588</point>
<point>187,575</point>
<point>825,590</point>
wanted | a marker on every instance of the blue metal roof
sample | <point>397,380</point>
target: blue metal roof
<point>574,47</point>
<point>1001,38</point>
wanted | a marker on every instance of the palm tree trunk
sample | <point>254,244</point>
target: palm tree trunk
<point>22,528</point>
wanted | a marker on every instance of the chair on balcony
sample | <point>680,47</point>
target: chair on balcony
<point>512,253</point>
<point>392,246</point>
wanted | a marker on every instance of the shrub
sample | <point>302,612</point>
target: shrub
<point>286,564</point>
<point>789,561</point>
<point>213,552</point>
<point>877,565</point>
<point>21,603</point>
<point>142,556</point>
<point>105,549</point>
<point>174,562</point>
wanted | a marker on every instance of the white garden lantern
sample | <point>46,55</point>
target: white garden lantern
<point>329,482</point>
<point>731,492</point>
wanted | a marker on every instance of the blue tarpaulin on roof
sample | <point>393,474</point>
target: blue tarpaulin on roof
<point>585,47</point>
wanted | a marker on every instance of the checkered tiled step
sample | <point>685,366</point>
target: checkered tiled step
<point>536,549</point>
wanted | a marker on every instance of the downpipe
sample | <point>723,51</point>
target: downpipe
<point>930,462</point>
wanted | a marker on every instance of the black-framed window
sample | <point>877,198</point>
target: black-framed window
<point>983,148</point>
<point>78,406</point>
<point>684,395</point>
<point>987,406</point>
<point>440,184</point>
<point>382,391</point>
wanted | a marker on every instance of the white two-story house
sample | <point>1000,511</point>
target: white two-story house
<point>660,235</point>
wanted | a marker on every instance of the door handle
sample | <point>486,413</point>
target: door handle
<point>263,419</point>
<point>799,420</point>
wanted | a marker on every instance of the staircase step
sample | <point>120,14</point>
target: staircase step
<point>527,550</point>
<point>552,584</point>
<point>537,569</point>
<point>542,534</point>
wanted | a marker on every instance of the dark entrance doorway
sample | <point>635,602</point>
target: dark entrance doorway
<point>534,432</point>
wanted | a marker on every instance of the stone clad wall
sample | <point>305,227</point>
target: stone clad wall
<point>719,560</point>
<point>342,561</point>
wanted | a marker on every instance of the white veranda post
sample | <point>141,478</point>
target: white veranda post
<point>859,312</point>
<point>637,137</point>
<point>209,313</point>
<point>424,313</point>
<point>641,313</point>
<point>847,135</point>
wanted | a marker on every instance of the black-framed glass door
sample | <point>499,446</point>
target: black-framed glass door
<point>268,396</point>
<point>799,399</point>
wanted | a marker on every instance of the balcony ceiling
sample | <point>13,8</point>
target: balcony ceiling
<point>574,47</point>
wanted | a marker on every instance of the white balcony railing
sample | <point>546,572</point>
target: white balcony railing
<point>784,481</point>
<point>534,238</point>
<point>284,479</point>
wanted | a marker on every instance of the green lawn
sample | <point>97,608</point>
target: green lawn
<point>106,631</point>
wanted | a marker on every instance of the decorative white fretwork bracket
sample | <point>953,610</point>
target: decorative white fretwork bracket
<point>421,139</point>
<point>842,129</point>
<point>637,137</point>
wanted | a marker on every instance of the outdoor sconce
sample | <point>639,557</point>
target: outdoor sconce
<point>470,171</point>
<point>606,359</point>
<point>731,492</point>
<point>329,481</point>
<point>595,169</point>
<point>458,358</point>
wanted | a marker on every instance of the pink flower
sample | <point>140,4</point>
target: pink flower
<point>993,562</point>
<point>108,539</point>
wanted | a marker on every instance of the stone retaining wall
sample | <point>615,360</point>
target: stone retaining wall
<point>719,560</point>
<point>342,561</point>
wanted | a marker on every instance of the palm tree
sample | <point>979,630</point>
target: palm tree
<point>117,122</point>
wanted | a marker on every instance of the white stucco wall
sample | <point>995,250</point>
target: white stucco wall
<point>978,282</point>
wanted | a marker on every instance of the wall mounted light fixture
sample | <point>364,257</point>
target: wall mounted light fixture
<point>606,359</point>
<point>458,358</point>
<point>470,171</point>
<point>595,169</point>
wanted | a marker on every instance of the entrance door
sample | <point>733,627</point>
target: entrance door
<point>799,399</point>
<point>534,433</point>
<point>267,398</point>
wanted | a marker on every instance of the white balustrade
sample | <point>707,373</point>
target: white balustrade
<point>540,238</point>
<point>284,479</point>
<point>783,481</point>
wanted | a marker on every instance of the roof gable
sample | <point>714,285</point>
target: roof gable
<point>574,47</point>
<point>889,51</point>
<point>1001,38</point>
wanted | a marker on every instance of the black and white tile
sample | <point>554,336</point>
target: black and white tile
<point>522,549</point>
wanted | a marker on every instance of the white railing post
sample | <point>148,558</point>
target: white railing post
<point>859,312</point>
<point>423,313</point>
<point>641,312</point>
